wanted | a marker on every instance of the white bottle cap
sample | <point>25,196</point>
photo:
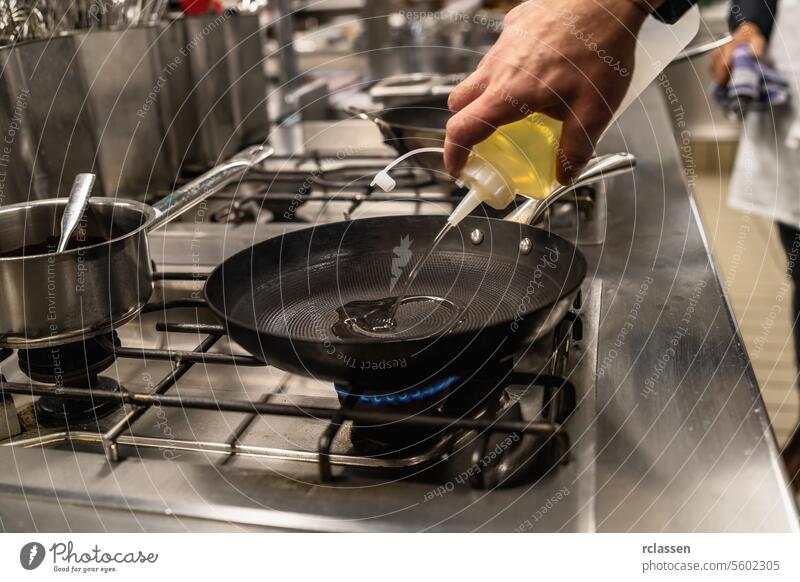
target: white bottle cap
<point>384,181</point>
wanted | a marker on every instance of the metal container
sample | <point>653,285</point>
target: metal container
<point>420,124</point>
<point>217,85</point>
<point>122,69</point>
<point>46,297</point>
<point>47,131</point>
<point>82,103</point>
<point>212,102</point>
<point>136,105</point>
<point>177,94</point>
<point>245,40</point>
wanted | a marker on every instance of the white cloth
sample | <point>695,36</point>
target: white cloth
<point>766,176</point>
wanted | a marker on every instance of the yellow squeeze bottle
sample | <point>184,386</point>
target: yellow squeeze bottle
<point>518,158</point>
<point>521,158</point>
<point>526,152</point>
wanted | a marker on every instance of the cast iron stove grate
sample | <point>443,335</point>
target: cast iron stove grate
<point>551,444</point>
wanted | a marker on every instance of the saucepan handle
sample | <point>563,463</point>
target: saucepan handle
<point>597,169</point>
<point>386,129</point>
<point>207,184</point>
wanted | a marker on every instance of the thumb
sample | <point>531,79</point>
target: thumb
<point>472,125</point>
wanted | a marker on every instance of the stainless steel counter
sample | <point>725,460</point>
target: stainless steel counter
<point>677,435</point>
<point>684,441</point>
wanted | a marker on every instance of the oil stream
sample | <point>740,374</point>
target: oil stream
<point>379,317</point>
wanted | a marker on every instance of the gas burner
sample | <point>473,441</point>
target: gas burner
<point>288,190</point>
<point>396,438</point>
<point>76,363</point>
<point>504,425</point>
<point>55,412</point>
<point>250,209</point>
<point>482,393</point>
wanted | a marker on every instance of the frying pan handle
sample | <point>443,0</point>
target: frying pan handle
<point>207,184</point>
<point>597,169</point>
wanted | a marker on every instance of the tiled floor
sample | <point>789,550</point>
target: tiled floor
<point>751,258</point>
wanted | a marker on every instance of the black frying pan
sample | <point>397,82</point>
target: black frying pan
<point>279,298</point>
<point>511,283</point>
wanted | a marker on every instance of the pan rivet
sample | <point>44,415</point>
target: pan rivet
<point>476,236</point>
<point>525,246</point>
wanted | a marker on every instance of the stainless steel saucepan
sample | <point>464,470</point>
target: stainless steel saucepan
<point>105,279</point>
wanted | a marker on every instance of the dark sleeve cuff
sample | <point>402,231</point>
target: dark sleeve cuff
<point>671,10</point>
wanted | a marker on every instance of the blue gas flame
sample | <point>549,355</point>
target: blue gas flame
<point>401,397</point>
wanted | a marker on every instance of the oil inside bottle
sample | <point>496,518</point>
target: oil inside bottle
<point>526,152</point>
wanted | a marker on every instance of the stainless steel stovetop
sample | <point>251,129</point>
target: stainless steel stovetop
<point>160,466</point>
<point>69,466</point>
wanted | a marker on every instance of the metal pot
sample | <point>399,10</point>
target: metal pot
<point>417,125</point>
<point>55,298</point>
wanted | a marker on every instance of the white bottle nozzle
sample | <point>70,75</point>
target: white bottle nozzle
<point>486,184</point>
<point>469,203</point>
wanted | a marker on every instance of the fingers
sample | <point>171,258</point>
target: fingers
<point>722,58</point>
<point>748,33</point>
<point>471,125</point>
<point>466,91</point>
<point>579,134</point>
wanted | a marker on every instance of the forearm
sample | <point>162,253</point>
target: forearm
<point>760,13</point>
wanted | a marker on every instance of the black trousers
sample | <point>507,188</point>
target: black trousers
<point>790,237</point>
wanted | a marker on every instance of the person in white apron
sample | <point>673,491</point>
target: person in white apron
<point>766,176</point>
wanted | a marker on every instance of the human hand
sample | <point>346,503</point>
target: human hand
<point>572,63</point>
<point>722,58</point>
